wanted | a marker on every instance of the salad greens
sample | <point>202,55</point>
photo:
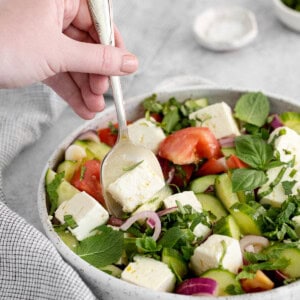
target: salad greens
<point>238,197</point>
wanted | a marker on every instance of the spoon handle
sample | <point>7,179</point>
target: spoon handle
<point>102,14</point>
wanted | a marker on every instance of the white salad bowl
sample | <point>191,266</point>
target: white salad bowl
<point>106,286</point>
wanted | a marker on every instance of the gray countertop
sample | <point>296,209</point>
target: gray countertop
<point>160,34</point>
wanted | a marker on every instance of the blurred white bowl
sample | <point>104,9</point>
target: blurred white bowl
<point>225,28</point>
<point>288,16</point>
<point>107,287</point>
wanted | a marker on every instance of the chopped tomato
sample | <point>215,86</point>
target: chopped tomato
<point>189,145</point>
<point>180,175</point>
<point>87,179</point>
<point>157,117</point>
<point>212,166</point>
<point>233,162</point>
<point>109,135</point>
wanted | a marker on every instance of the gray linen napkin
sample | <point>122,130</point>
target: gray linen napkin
<point>30,266</point>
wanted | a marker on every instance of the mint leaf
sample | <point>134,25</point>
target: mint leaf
<point>247,179</point>
<point>288,186</point>
<point>254,151</point>
<point>102,249</point>
<point>253,108</point>
<point>70,222</point>
<point>171,237</point>
<point>51,189</point>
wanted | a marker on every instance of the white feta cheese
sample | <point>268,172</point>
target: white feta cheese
<point>145,133</point>
<point>218,118</point>
<point>286,144</point>
<point>188,198</point>
<point>149,273</point>
<point>215,251</point>
<point>275,195</point>
<point>185,198</point>
<point>87,212</point>
<point>136,186</point>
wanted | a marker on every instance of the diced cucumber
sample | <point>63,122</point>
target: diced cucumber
<point>224,191</point>
<point>225,279</point>
<point>65,190</point>
<point>155,202</point>
<point>291,120</point>
<point>227,226</point>
<point>201,184</point>
<point>176,263</point>
<point>246,196</point>
<point>68,239</point>
<point>227,151</point>
<point>69,167</point>
<point>293,269</point>
<point>212,204</point>
<point>247,218</point>
<point>112,270</point>
<point>98,149</point>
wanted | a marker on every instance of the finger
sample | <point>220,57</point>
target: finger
<point>77,34</point>
<point>96,59</point>
<point>94,102</point>
<point>66,88</point>
<point>99,84</point>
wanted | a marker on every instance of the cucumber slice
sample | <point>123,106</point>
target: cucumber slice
<point>291,120</point>
<point>227,226</point>
<point>201,184</point>
<point>227,151</point>
<point>112,270</point>
<point>98,149</point>
<point>246,196</point>
<point>175,261</point>
<point>224,191</point>
<point>68,239</point>
<point>293,269</point>
<point>247,218</point>
<point>69,167</point>
<point>212,204</point>
<point>65,190</point>
<point>225,279</point>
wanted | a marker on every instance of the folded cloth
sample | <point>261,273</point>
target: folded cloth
<point>30,266</point>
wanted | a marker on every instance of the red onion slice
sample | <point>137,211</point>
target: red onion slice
<point>198,286</point>
<point>276,122</point>
<point>90,135</point>
<point>253,243</point>
<point>147,214</point>
<point>167,211</point>
<point>227,141</point>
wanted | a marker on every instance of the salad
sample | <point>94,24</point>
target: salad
<point>224,217</point>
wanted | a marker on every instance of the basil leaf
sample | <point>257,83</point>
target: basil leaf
<point>253,108</point>
<point>254,151</point>
<point>102,249</point>
<point>247,179</point>
<point>171,237</point>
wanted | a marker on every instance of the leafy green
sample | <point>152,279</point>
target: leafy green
<point>171,237</point>
<point>147,245</point>
<point>132,166</point>
<point>70,222</point>
<point>288,186</point>
<point>51,189</point>
<point>247,179</point>
<point>252,108</point>
<point>102,249</point>
<point>234,289</point>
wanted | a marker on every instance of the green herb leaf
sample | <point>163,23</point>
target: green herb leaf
<point>288,186</point>
<point>82,172</point>
<point>102,249</point>
<point>151,104</point>
<point>171,237</point>
<point>254,151</point>
<point>130,168</point>
<point>253,108</point>
<point>51,189</point>
<point>70,222</point>
<point>247,179</point>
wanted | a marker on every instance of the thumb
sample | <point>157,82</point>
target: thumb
<point>96,59</point>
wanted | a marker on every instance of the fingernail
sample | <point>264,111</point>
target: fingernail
<point>129,63</point>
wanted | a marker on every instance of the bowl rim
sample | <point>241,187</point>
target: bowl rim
<point>82,266</point>
<point>280,5</point>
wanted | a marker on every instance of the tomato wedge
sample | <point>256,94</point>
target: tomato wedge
<point>189,145</point>
<point>87,178</point>
<point>109,135</point>
<point>233,162</point>
<point>212,166</point>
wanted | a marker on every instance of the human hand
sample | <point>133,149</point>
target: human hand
<point>55,41</point>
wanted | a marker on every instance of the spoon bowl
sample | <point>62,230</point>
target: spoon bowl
<point>125,153</point>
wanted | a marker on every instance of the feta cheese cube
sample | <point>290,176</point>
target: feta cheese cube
<point>216,250</point>
<point>145,133</point>
<point>185,198</point>
<point>87,212</point>
<point>136,186</point>
<point>286,144</point>
<point>275,196</point>
<point>218,118</point>
<point>149,273</point>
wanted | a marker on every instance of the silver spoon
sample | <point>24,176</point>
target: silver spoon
<point>124,154</point>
